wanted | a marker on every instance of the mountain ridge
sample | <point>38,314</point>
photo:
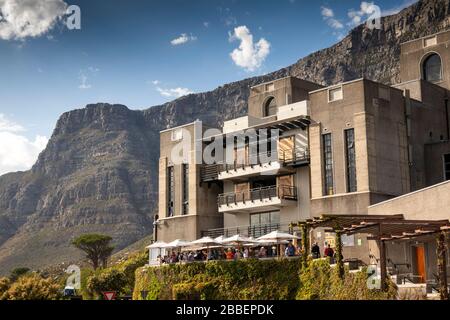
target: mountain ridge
<point>98,172</point>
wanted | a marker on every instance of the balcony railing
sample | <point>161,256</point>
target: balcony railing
<point>254,231</point>
<point>280,192</point>
<point>292,157</point>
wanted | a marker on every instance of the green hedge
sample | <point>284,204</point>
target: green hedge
<point>227,280</point>
<point>119,278</point>
<point>254,280</point>
<point>319,281</point>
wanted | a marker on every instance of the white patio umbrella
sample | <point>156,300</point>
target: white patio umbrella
<point>205,242</point>
<point>277,237</point>
<point>157,245</point>
<point>177,244</point>
<point>237,240</point>
<point>219,239</point>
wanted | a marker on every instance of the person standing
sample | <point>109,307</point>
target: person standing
<point>315,251</point>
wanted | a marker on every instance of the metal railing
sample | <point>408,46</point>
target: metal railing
<point>254,231</point>
<point>281,192</point>
<point>291,157</point>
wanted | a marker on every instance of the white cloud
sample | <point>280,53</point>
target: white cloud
<point>21,19</point>
<point>358,16</point>
<point>17,152</point>
<point>249,55</point>
<point>8,125</point>
<point>327,12</point>
<point>182,39</point>
<point>328,16</point>
<point>170,92</point>
<point>174,93</point>
<point>206,24</point>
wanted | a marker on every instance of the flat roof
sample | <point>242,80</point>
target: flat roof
<point>424,37</point>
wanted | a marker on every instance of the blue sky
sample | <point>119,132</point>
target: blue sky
<point>144,53</point>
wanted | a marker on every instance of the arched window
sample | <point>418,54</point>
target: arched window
<point>270,107</point>
<point>432,68</point>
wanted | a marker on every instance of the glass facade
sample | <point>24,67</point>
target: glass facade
<point>185,189</point>
<point>328,164</point>
<point>350,155</point>
<point>170,191</point>
<point>447,167</point>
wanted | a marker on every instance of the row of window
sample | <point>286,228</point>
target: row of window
<point>171,190</point>
<point>350,159</point>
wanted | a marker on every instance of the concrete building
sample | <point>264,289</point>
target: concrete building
<point>339,150</point>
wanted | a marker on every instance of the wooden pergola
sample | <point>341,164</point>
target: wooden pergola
<point>383,228</point>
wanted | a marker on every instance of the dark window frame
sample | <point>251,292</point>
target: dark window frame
<point>446,160</point>
<point>170,191</point>
<point>350,158</point>
<point>185,204</point>
<point>327,152</point>
<point>430,68</point>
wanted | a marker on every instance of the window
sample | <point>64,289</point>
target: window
<point>270,87</point>
<point>328,164</point>
<point>170,191</point>
<point>384,93</point>
<point>432,68</point>
<point>267,218</point>
<point>185,189</point>
<point>335,94</point>
<point>447,167</point>
<point>428,42</point>
<point>177,135</point>
<point>270,107</point>
<point>351,160</point>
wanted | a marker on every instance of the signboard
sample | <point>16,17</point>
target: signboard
<point>109,295</point>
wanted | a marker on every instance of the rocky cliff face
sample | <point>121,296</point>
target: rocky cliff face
<point>99,170</point>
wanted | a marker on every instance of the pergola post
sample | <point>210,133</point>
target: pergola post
<point>305,245</point>
<point>442,265</point>
<point>339,256</point>
<point>383,271</point>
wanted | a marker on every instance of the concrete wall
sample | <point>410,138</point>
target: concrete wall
<point>380,143</point>
<point>203,211</point>
<point>285,91</point>
<point>432,203</point>
<point>414,52</point>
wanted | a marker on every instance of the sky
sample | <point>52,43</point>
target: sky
<point>145,53</point>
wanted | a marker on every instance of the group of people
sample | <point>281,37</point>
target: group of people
<point>328,252</point>
<point>236,253</point>
<point>243,253</point>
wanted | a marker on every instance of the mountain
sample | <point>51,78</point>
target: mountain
<point>99,170</point>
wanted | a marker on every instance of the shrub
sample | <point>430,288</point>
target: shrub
<point>33,287</point>
<point>5,283</point>
<point>319,281</point>
<point>220,280</point>
<point>109,280</point>
<point>119,278</point>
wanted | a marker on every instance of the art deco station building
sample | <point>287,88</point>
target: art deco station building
<point>355,148</point>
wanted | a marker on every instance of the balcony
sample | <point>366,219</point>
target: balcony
<point>254,231</point>
<point>267,198</point>
<point>256,165</point>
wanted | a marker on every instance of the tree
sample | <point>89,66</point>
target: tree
<point>18,272</point>
<point>33,287</point>
<point>109,280</point>
<point>97,248</point>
